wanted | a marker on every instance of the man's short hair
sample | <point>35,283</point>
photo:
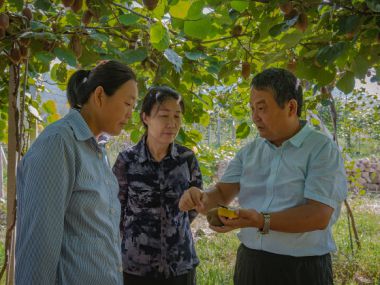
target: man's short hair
<point>283,84</point>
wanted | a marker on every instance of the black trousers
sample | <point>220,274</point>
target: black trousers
<point>185,279</point>
<point>256,267</point>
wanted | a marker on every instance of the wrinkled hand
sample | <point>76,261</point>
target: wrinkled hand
<point>193,198</point>
<point>247,219</point>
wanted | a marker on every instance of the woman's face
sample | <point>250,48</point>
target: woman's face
<point>117,109</point>
<point>164,122</point>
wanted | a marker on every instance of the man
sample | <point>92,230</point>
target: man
<point>290,183</point>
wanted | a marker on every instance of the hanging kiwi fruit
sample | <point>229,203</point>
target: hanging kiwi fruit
<point>302,22</point>
<point>27,13</point>
<point>150,4</point>
<point>86,17</point>
<point>245,70</point>
<point>15,55</point>
<point>77,5</point>
<point>286,7</point>
<point>76,46</point>
<point>4,21</point>
<point>67,3</point>
<point>237,30</point>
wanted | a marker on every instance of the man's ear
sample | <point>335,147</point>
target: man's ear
<point>98,96</point>
<point>293,107</point>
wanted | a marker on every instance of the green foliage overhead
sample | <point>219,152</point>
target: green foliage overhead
<point>193,46</point>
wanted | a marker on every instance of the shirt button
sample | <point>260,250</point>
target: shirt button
<point>120,268</point>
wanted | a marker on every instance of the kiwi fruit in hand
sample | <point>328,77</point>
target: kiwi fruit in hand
<point>213,218</point>
<point>213,215</point>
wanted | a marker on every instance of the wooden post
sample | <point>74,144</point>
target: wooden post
<point>11,174</point>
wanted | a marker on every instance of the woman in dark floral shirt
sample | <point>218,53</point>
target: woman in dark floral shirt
<point>157,244</point>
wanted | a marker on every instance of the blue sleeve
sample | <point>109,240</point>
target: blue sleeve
<point>234,169</point>
<point>326,180</point>
<point>45,180</point>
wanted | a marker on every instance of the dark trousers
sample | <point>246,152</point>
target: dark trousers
<point>256,267</point>
<point>185,279</point>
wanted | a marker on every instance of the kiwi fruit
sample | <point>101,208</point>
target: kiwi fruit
<point>4,21</point>
<point>86,18</point>
<point>27,13</point>
<point>24,52</point>
<point>286,8</point>
<point>77,5</point>
<point>302,22</point>
<point>237,30</point>
<point>76,46</point>
<point>245,70</point>
<point>15,55</point>
<point>150,4</point>
<point>292,65</point>
<point>213,218</point>
<point>67,3</point>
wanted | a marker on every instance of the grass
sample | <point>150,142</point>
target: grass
<point>217,252</point>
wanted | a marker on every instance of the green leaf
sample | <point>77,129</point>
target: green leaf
<point>195,10</point>
<point>278,29</point>
<point>42,4</point>
<point>138,55</point>
<point>180,9</point>
<point>159,12</point>
<point>360,66</point>
<point>135,136</point>
<point>99,36</point>
<point>66,55</point>
<point>195,55</point>
<point>199,29</point>
<point>50,107</point>
<point>44,56</point>
<point>159,36</point>
<point>243,130</point>
<point>129,19</point>
<point>18,4</point>
<point>374,5</point>
<point>291,39</point>
<point>239,6</point>
<point>347,83</point>
<point>195,135</point>
<point>329,54</point>
<point>348,24</point>
<point>204,119</point>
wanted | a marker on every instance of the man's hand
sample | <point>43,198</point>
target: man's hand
<point>247,218</point>
<point>193,198</point>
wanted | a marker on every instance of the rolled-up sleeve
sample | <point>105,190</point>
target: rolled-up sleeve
<point>234,169</point>
<point>326,180</point>
<point>45,180</point>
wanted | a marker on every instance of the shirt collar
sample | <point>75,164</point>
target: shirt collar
<point>299,137</point>
<point>80,128</point>
<point>144,154</point>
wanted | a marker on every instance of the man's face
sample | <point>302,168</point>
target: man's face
<point>271,120</point>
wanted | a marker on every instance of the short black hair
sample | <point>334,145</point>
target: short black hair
<point>108,74</point>
<point>157,95</point>
<point>284,85</point>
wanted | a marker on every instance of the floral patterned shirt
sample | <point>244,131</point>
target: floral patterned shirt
<point>156,235</point>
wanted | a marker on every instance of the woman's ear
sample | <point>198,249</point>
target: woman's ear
<point>98,96</point>
<point>293,107</point>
